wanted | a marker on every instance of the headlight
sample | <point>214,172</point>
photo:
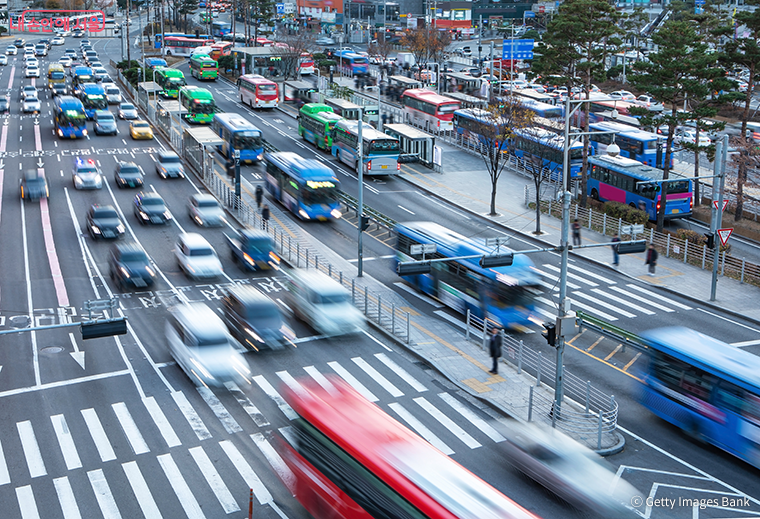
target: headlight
<point>124,271</point>
<point>167,215</point>
<point>335,213</point>
<point>95,229</point>
<point>150,271</point>
<point>143,215</point>
<point>84,132</point>
<point>77,180</point>
<point>120,228</point>
<point>303,214</point>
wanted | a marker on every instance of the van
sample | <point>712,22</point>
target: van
<point>255,320</point>
<point>322,303</point>
<point>405,58</point>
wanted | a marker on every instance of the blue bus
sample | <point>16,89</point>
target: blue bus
<point>706,387</point>
<point>543,109</point>
<point>70,120</point>
<point>380,152</point>
<point>240,135</point>
<point>616,179</point>
<point>643,146</point>
<point>352,63</point>
<point>503,295</point>
<point>81,76</point>
<point>219,29</point>
<point>93,98</point>
<point>308,188</point>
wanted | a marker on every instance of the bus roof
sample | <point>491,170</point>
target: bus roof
<point>315,108</point>
<point>201,57</point>
<point>707,353</point>
<point>306,169</point>
<point>55,66</point>
<point>195,92</point>
<point>93,88</point>
<point>545,136</point>
<point>235,121</point>
<point>406,131</point>
<point>68,102</point>
<point>169,72</point>
<point>428,96</point>
<point>625,129</point>
<point>257,78</point>
<point>630,167</point>
<point>83,70</point>
<point>368,132</point>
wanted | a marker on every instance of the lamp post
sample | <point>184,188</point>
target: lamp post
<point>360,198</point>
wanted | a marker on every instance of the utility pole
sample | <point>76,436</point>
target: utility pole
<point>360,202</point>
<point>480,41</point>
<point>163,30</point>
<point>129,56</point>
<point>721,154</point>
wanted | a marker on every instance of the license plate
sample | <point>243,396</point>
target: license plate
<point>383,167</point>
<point>156,219</point>
<point>675,211</point>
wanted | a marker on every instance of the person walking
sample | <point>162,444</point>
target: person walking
<point>494,349</point>
<point>265,217</point>
<point>615,254</point>
<point>651,259</point>
<point>576,232</point>
<point>259,195</point>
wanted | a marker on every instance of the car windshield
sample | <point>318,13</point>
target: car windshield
<point>86,170</point>
<point>32,99</point>
<point>105,213</point>
<point>134,257</point>
<point>208,204</point>
<point>201,251</point>
<point>140,124</point>
<point>129,170</point>
<point>112,91</point>
<point>152,201</point>
<point>330,299</point>
<point>127,107</point>
<point>106,118</point>
<point>170,159</point>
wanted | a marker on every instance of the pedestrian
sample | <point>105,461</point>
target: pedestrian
<point>615,255</point>
<point>265,217</point>
<point>576,232</point>
<point>651,259</point>
<point>259,195</point>
<point>494,349</point>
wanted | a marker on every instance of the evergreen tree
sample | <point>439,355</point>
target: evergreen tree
<point>261,12</point>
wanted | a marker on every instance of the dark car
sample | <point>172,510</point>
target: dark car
<point>45,42</point>
<point>128,174</point>
<point>129,266</point>
<point>169,165</point>
<point>103,222</point>
<point>77,34</point>
<point>60,89</point>
<point>4,105</point>
<point>150,208</point>
<point>105,123</point>
<point>20,42</point>
<point>255,320</point>
<point>33,186</point>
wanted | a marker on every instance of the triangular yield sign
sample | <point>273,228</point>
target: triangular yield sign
<point>725,204</point>
<point>723,234</point>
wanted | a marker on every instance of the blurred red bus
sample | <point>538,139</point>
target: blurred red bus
<point>219,49</point>
<point>429,110</point>
<point>257,91</point>
<point>352,459</point>
<point>306,63</point>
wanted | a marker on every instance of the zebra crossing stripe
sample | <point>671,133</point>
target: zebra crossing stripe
<point>247,473</point>
<point>471,417</point>
<point>130,429</point>
<point>420,428</point>
<point>103,495</point>
<point>31,449</point>
<point>448,423</point>
<point>274,459</point>
<point>141,490</point>
<point>604,304</point>
<point>214,480</point>
<point>543,311</point>
<point>26,503</point>
<point>179,485</point>
<point>593,310</point>
<point>195,421</point>
<point>267,388</point>
<point>642,299</point>
<point>556,279</point>
<point>657,296</point>
<point>161,422</point>
<point>292,383</point>
<point>98,435</point>
<point>221,412</point>
<point>622,301</point>
<point>5,476</point>
<point>320,379</point>
<point>66,442</point>
<point>594,275</point>
<point>348,377</point>
<point>372,372</point>
<point>401,372</point>
<point>247,405</point>
<point>66,498</point>
<point>571,275</point>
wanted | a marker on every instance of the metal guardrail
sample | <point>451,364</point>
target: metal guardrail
<point>611,331</point>
<point>373,214</point>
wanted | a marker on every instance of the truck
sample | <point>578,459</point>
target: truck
<point>405,58</point>
<point>252,249</point>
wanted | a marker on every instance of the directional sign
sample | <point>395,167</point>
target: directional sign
<point>427,248</point>
<point>723,234</point>
<point>517,49</point>
<point>280,8</point>
<point>529,14</point>
<point>632,229</point>
<point>725,203</point>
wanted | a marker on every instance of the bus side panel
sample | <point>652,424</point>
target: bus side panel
<point>608,192</point>
<point>273,187</point>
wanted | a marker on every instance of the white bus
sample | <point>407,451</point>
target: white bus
<point>379,154</point>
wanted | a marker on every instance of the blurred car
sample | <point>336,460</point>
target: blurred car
<point>99,73</point>
<point>130,266</point>
<point>28,47</point>
<point>205,211</point>
<point>60,89</point>
<point>77,34</point>
<point>70,53</point>
<point>199,342</point>
<point>572,471</point>
<point>649,103</point>
<point>105,123</point>
<point>150,208</point>
<point>140,129</point>
<point>31,104</point>
<point>10,50</point>
<point>169,165</point>
<point>28,91</point>
<point>464,52</point>
<point>127,111</point>
<point>5,104</point>
<point>113,94</point>
<point>30,57</point>
<point>65,61</point>
<point>196,257</point>
<point>32,70</point>
<point>20,42</point>
<point>324,40</point>
<point>255,320</point>
<point>689,136</point>
<point>33,186</point>
<point>87,174</point>
<point>622,95</point>
<point>3,59</point>
<point>58,40</point>
<point>128,174</point>
<point>103,222</point>
<point>472,71</point>
<point>84,42</point>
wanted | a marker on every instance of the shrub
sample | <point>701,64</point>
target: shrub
<point>318,56</point>
<point>614,72</point>
<point>694,237</point>
<point>325,63</point>
<point>126,65</point>
<point>226,62</point>
<point>626,213</point>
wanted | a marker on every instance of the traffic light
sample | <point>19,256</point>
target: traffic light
<point>413,268</point>
<point>96,329</point>
<point>364,223</point>
<point>710,240</point>
<point>550,333</point>
<point>497,260</point>
<point>632,248</point>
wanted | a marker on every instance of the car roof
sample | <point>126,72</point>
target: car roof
<point>150,195</point>
<point>167,154</point>
<point>194,240</point>
<point>203,196</point>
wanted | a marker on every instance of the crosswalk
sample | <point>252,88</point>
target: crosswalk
<point>198,452</point>
<point>600,296</point>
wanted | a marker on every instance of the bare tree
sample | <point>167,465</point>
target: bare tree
<point>537,160</point>
<point>297,43</point>
<point>380,48</point>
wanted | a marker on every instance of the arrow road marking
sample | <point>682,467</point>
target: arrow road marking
<point>76,354</point>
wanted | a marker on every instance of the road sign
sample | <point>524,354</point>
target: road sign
<point>517,49</point>
<point>632,229</point>
<point>541,9</point>
<point>723,234</point>
<point>529,14</point>
<point>280,8</point>
<point>725,203</point>
<point>426,248</point>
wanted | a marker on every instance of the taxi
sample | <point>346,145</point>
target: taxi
<point>140,129</point>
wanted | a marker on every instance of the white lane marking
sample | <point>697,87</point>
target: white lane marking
<point>590,309</point>
<point>26,503</point>
<point>141,490</point>
<point>172,440</point>
<point>98,435</point>
<point>729,320</point>
<point>380,379</point>
<point>267,388</point>
<point>405,209</point>
<point>448,423</point>
<point>31,449</point>
<point>103,495</point>
<point>642,299</point>
<point>245,470</point>
<point>401,372</point>
<point>744,344</point>
<point>603,304</point>
<point>5,476</point>
<point>592,274</point>
<point>181,489</point>
<point>195,421</point>
<point>275,461</point>
<point>420,428</point>
<point>30,304</point>
<point>221,412</point>
<point>365,332</point>
<point>471,417</point>
<point>214,480</point>
<point>571,275</point>
<point>556,279</point>
<point>448,208</point>
<point>622,301</point>
<point>372,258</point>
<point>348,377</point>
<point>129,426</point>
<point>246,404</point>
<point>66,498</point>
<point>546,313</point>
<point>66,442</point>
<point>320,379</point>
<point>659,297</point>
<point>406,288</point>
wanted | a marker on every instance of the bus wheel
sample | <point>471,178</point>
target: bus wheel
<point>595,194</point>
<point>633,205</point>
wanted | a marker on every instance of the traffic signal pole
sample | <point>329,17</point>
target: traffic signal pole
<point>360,202</point>
<point>721,154</point>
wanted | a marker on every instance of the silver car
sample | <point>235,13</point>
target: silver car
<point>87,175</point>
<point>31,104</point>
<point>196,257</point>
<point>205,211</point>
<point>113,95</point>
<point>169,165</point>
<point>127,111</point>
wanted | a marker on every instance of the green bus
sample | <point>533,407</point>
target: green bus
<point>206,18</point>
<point>315,124</point>
<point>199,103</point>
<point>203,67</point>
<point>170,80</point>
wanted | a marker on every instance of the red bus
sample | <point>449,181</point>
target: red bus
<point>350,458</point>
<point>257,91</point>
<point>306,63</point>
<point>428,110</point>
<point>263,42</point>
<point>223,48</point>
<point>183,46</point>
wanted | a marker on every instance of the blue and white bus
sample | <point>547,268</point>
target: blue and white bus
<point>543,109</point>
<point>352,63</point>
<point>70,120</point>
<point>93,98</point>
<point>219,29</point>
<point>643,146</point>
<point>706,387</point>
<point>307,187</point>
<point>240,135</point>
<point>380,152</point>
<point>616,178</point>
<point>504,295</point>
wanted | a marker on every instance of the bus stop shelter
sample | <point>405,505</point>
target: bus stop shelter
<point>148,91</point>
<point>169,115</point>
<point>199,143</point>
<point>416,146</point>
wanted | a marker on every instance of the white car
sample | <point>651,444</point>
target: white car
<point>649,103</point>
<point>28,91</point>
<point>65,61</point>
<point>99,73</point>
<point>127,111</point>
<point>58,40</point>
<point>205,211</point>
<point>11,50</point>
<point>31,104</point>
<point>687,135</point>
<point>3,59</point>
<point>32,71</point>
<point>113,94</point>
<point>29,56</point>
<point>196,257</point>
<point>622,95</point>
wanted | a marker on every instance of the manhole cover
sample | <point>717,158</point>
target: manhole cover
<point>19,321</point>
<point>52,349</point>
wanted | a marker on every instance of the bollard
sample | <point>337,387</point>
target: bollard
<point>538,369</point>
<point>329,269</point>
<point>289,248</point>
<point>307,259</point>
<point>599,433</point>
<point>408,330</point>
<point>667,247</point>
<point>742,280</point>
<point>485,332</point>
<point>467,326</point>
<point>298,254</point>
<point>685,249</point>
<point>353,292</point>
<point>379,310</point>
<point>316,263</point>
<point>365,300</point>
<point>530,404</point>
<point>704,253</point>
<point>588,394</point>
<point>250,505</point>
<point>341,277</point>
<point>723,264</point>
<point>519,358</point>
<point>590,217</point>
<point>393,318</point>
<point>604,224</point>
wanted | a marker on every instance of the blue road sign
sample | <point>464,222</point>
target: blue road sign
<point>531,14</point>
<point>517,49</point>
<point>280,8</point>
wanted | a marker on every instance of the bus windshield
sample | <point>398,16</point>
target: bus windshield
<point>576,154</point>
<point>95,101</point>
<point>678,187</point>
<point>177,81</point>
<point>267,88</point>
<point>319,195</point>
<point>384,145</point>
<point>56,74</point>
<point>246,140</point>
<point>448,108</point>
<point>72,118</point>
<point>202,108</point>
